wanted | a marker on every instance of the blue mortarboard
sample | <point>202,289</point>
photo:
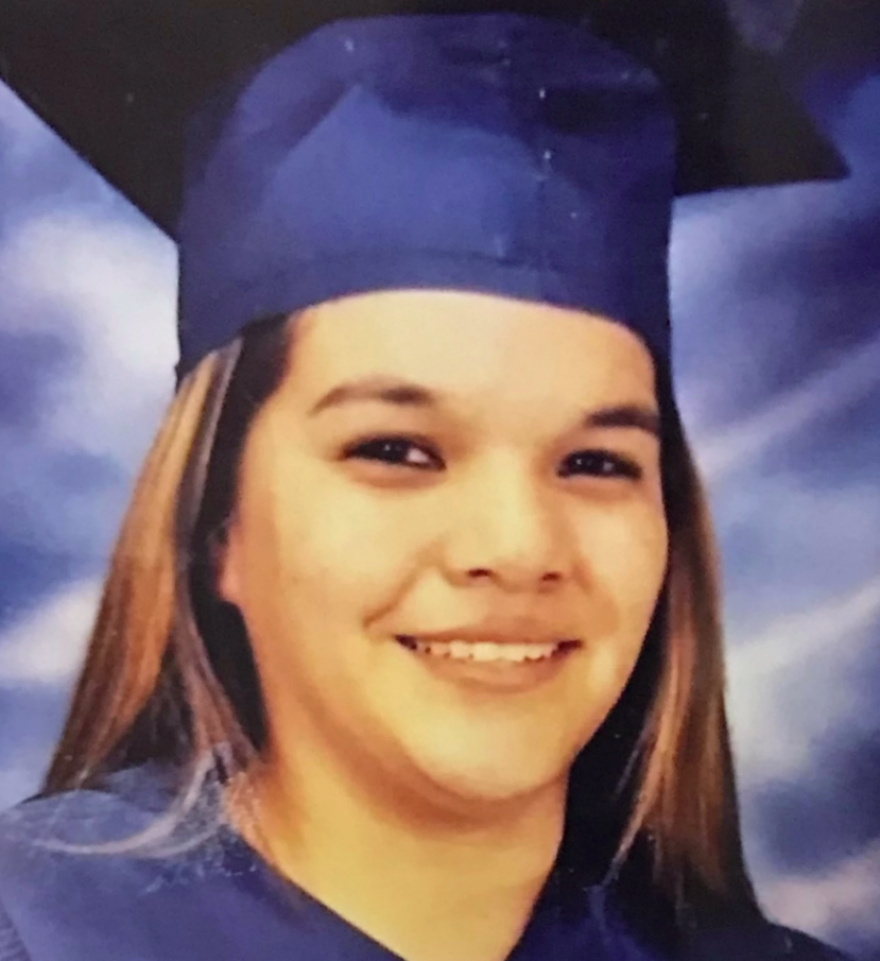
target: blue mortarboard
<point>493,150</point>
<point>501,153</point>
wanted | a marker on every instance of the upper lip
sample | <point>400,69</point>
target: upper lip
<point>499,631</point>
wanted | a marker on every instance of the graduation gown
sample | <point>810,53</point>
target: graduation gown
<point>218,900</point>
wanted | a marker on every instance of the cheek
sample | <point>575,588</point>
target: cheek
<point>625,556</point>
<point>337,552</point>
<point>624,560</point>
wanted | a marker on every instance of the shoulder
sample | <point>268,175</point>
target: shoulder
<point>45,842</point>
<point>34,871</point>
<point>11,947</point>
<point>761,941</point>
<point>123,806</point>
<point>85,869</point>
<point>725,931</point>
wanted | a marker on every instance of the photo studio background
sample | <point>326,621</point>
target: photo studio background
<point>776,297</point>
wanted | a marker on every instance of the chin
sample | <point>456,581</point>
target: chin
<point>473,780</point>
<point>491,753</point>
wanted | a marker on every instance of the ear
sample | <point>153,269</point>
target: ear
<point>225,562</point>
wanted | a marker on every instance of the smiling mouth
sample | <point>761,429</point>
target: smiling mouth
<point>486,652</point>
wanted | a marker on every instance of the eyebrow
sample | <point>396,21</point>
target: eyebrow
<point>403,394</point>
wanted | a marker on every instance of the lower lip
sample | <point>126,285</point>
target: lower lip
<point>513,676</point>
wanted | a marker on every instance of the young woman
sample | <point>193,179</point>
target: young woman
<point>410,642</point>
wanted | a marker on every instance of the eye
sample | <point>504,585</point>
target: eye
<point>392,449</point>
<point>603,463</point>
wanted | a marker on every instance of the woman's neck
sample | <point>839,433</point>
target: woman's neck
<point>427,889</point>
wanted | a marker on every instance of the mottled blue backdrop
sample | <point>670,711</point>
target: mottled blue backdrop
<point>777,304</point>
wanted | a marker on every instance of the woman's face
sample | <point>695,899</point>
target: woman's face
<point>449,462</point>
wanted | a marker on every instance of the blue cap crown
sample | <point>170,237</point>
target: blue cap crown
<point>502,153</point>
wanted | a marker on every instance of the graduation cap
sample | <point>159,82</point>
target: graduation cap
<point>301,152</point>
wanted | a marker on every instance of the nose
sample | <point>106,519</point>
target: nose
<point>503,527</point>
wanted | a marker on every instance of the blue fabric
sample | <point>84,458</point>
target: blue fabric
<point>218,901</point>
<point>502,153</point>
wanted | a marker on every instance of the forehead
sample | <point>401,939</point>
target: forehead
<point>470,343</point>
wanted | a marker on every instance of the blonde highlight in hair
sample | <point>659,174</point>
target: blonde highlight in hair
<point>686,799</point>
<point>137,606</point>
<point>140,615</point>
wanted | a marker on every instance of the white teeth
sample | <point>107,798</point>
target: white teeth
<point>485,652</point>
<point>460,649</point>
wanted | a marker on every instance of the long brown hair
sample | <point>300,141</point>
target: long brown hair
<point>169,675</point>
